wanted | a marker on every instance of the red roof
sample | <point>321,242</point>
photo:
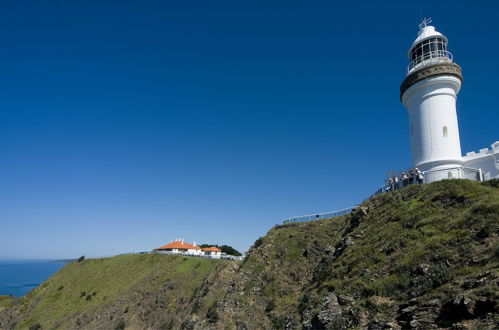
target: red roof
<point>179,245</point>
<point>212,249</point>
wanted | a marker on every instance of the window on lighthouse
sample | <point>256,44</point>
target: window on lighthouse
<point>429,48</point>
<point>445,131</point>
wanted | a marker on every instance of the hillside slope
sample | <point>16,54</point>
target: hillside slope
<point>135,291</point>
<point>423,257</point>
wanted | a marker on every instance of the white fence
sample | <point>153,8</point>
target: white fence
<point>458,172</point>
<point>319,216</point>
<point>223,256</point>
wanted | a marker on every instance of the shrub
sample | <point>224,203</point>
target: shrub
<point>167,325</point>
<point>258,242</point>
<point>494,183</point>
<point>278,322</point>
<point>270,306</point>
<point>120,325</point>
<point>212,314</point>
<point>230,250</point>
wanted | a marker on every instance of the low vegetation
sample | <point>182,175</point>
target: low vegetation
<point>423,257</point>
<point>398,250</point>
<point>110,287</point>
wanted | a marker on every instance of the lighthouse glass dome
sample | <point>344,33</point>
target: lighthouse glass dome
<point>430,46</point>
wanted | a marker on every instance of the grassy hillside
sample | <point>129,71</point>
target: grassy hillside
<point>106,291</point>
<point>423,257</point>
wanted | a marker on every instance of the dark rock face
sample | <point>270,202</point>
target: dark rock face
<point>459,311</point>
<point>462,308</point>
<point>330,315</point>
<point>428,277</point>
<point>414,315</point>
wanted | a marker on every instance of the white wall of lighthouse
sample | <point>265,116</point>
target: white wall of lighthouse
<point>433,124</point>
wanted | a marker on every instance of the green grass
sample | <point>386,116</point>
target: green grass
<point>6,301</point>
<point>431,222</point>
<point>84,286</point>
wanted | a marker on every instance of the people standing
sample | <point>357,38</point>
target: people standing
<point>419,175</point>
<point>411,177</point>
<point>395,182</point>
<point>405,179</point>
<point>390,185</point>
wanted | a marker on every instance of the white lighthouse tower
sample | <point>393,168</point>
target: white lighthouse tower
<point>429,94</point>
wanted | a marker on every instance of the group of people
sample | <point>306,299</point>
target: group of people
<point>406,178</point>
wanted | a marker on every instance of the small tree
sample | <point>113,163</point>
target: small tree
<point>212,314</point>
<point>230,250</point>
<point>120,325</point>
<point>258,242</point>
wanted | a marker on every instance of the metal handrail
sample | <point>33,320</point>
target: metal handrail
<point>319,216</point>
<point>429,58</point>
<point>445,169</point>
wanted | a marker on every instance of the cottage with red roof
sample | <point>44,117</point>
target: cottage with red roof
<point>180,247</point>
<point>212,252</point>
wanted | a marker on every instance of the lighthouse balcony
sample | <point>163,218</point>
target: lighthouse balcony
<point>434,57</point>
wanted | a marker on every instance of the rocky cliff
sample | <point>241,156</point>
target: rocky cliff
<point>423,257</point>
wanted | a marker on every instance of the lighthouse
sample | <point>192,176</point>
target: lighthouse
<point>429,93</point>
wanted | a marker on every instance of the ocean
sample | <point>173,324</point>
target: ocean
<point>19,277</point>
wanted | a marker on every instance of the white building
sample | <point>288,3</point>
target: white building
<point>429,93</point>
<point>212,252</point>
<point>180,247</point>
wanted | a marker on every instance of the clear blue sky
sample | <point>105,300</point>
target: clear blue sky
<point>124,125</point>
